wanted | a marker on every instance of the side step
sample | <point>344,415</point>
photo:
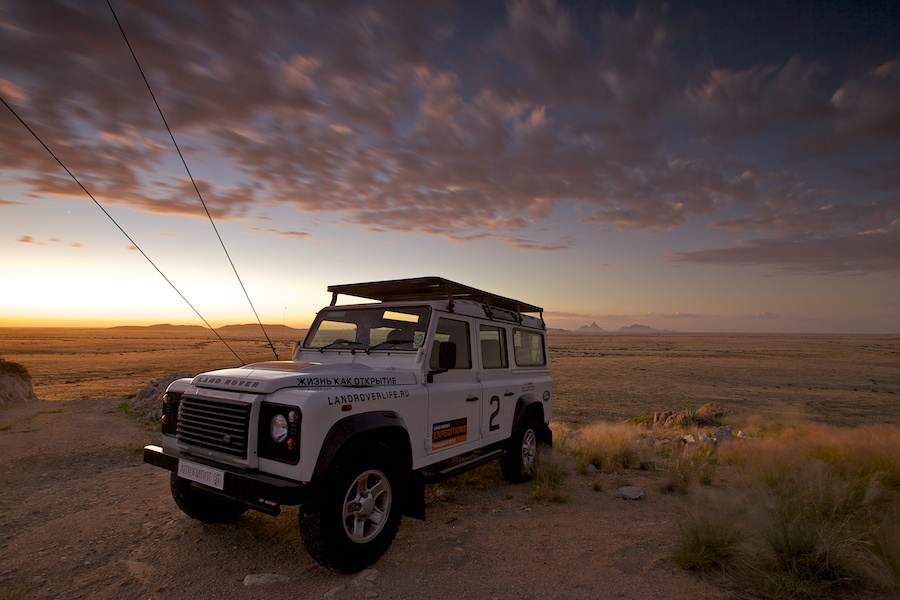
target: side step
<point>466,465</point>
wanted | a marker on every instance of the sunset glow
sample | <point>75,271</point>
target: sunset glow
<point>707,166</point>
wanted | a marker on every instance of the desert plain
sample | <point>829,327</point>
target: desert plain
<point>845,380</point>
<point>82,517</point>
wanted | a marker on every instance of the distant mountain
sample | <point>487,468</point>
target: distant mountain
<point>251,329</point>
<point>256,325</point>
<point>642,329</point>
<point>160,327</point>
<point>592,328</point>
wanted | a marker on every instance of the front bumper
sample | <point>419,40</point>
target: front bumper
<point>252,488</point>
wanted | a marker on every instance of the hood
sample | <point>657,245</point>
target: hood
<point>267,377</point>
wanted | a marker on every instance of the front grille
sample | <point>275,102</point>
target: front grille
<point>217,425</point>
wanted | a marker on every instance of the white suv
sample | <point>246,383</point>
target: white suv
<point>381,398</point>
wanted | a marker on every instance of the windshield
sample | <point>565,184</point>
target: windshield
<point>370,328</point>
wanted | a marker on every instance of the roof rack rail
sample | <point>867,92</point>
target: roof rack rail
<point>429,288</point>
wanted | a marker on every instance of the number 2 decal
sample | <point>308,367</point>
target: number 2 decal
<point>491,425</point>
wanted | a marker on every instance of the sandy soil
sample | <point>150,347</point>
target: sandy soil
<point>82,517</point>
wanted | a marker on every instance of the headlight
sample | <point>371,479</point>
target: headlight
<point>278,432</point>
<point>278,428</point>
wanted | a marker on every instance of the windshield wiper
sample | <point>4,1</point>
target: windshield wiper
<point>340,343</point>
<point>391,344</point>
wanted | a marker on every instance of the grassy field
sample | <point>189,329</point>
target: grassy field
<point>808,508</point>
<point>840,380</point>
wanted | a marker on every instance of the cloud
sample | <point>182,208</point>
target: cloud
<point>322,125</point>
<point>27,239</point>
<point>286,234</point>
<point>431,118</point>
<point>763,314</point>
<point>866,252</point>
<point>868,106</point>
<point>678,315</point>
<point>726,104</point>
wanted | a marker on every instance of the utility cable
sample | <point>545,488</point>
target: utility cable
<point>100,206</point>
<point>196,189</point>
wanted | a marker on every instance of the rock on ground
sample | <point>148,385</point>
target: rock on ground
<point>15,383</point>
<point>147,403</point>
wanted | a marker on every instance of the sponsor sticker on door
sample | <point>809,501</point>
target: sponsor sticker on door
<point>447,433</point>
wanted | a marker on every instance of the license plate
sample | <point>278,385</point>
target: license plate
<point>201,474</point>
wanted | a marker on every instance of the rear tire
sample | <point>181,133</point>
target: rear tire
<point>357,516</point>
<point>200,506</point>
<point>520,460</point>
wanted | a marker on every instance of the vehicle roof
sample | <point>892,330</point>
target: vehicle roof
<point>427,288</point>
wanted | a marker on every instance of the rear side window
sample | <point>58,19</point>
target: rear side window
<point>529,347</point>
<point>493,347</point>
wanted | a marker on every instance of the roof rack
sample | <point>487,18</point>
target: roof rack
<point>428,288</point>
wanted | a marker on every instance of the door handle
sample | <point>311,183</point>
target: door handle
<point>509,393</point>
<point>472,399</point>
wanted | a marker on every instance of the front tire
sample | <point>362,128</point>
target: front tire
<point>357,516</point>
<point>520,460</point>
<point>200,506</point>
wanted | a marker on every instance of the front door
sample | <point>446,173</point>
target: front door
<point>454,397</point>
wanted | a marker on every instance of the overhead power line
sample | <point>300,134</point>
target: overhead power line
<point>119,227</point>
<point>193,182</point>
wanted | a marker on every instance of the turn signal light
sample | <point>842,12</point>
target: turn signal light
<point>291,444</point>
<point>165,419</point>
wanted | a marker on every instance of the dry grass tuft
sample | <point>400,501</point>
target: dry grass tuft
<point>706,543</point>
<point>607,446</point>
<point>821,517</point>
<point>551,473</point>
<point>814,511</point>
<point>683,469</point>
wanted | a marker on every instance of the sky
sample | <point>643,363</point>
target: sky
<point>697,166</point>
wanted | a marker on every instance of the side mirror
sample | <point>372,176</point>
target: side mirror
<point>447,356</point>
<point>446,360</point>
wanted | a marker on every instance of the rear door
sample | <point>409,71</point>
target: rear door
<point>496,381</point>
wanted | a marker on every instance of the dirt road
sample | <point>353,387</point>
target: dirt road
<point>81,516</point>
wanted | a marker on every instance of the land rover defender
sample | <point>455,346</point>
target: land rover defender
<point>380,399</point>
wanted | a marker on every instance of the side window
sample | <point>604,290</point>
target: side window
<point>493,347</point>
<point>449,330</point>
<point>529,347</point>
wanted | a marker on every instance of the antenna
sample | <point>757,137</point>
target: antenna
<point>191,177</point>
